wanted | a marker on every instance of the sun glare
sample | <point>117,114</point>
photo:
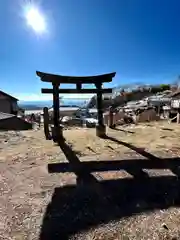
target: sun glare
<point>35,19</point>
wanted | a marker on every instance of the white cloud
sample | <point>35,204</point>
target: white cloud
<point>33,97</point>
<point>46,97</point>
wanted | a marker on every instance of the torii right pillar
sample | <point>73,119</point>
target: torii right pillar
<point>57,130</point>
<point>100,128</point>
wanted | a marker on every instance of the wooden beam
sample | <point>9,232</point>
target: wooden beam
<point>75,91</point>
<point>47,77</point>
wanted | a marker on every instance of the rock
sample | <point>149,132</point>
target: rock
<point>165,226</point>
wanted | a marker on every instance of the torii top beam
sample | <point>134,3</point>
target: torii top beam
<point>47,77</point>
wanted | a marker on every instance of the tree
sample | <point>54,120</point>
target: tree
<point>165,87</point>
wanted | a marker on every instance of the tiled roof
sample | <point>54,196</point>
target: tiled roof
<point>7,95</point>
<point>5,115</point>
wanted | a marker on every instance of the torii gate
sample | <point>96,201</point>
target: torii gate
<point>57,80</point>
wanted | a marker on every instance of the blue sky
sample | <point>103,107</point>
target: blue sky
<point>139,39</point>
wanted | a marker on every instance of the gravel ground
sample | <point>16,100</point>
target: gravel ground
<point>105,205</point>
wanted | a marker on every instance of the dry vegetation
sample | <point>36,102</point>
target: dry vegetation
<point>26,187</point>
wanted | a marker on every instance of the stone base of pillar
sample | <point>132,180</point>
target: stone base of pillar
<point>57,133</point>
<point>112,126</point>
<point>101,131</point>
<point>111,120</point>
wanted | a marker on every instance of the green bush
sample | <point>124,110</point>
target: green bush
<point>165,87</point>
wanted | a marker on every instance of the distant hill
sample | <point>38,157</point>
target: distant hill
<point>30,107</point>
<point>34,105</point>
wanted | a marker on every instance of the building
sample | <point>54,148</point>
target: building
<point>8,103</point>
<point>65,111</point>
<point>107,101</point>
<point>10,122</point>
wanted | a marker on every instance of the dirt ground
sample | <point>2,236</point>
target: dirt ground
<point>35,204</point>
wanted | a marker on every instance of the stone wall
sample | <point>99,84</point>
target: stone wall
<point>147,116</point>
<point>116,117</point>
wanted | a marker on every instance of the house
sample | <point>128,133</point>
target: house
<point>107,100</point>
<point>8,103</point>
<point>172,109</point>
<point>175,99</point>
<point>65,111</point>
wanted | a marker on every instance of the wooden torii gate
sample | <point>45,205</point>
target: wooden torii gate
<point>57,80</point>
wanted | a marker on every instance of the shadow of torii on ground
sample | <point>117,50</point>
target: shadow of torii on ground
<point>76,208</point>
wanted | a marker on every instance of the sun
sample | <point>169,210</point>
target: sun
<point>35,19</point>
